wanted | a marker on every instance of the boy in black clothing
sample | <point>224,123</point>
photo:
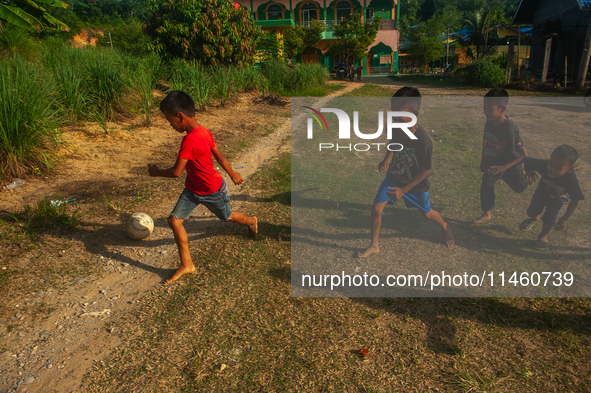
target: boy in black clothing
<point>501,144</point>
<point>408,172</point>
<point>559,184</point>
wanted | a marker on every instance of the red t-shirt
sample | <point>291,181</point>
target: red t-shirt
<point>202,178</point>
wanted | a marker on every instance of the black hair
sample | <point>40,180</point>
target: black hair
<point>500,95</point>
<point>411,95</point>
<point>566,153</point>
<point>178,101</point>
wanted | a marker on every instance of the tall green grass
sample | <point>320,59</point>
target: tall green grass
<point>106,80</point>
<point>144,81</point>
<point>44,85</point>
<point>192,78</point>
<point>16,41</point>
<point>288,79</point>
<point>29,118</point>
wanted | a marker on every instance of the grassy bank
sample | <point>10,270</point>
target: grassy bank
<point>46,85</point>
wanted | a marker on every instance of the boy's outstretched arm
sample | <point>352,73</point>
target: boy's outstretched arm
<point>174,171</point>
<point>561,224</point>
<point>531,176</point>
<point>219,157</point>
<point>495,170</point>
<point>398,192</point>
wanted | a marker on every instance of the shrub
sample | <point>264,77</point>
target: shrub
<point>484,73</point>
<point>28,118</point>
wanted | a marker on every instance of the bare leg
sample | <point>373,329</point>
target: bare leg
<point>484,217</point>
<point>543,237</point>
<point>447,235</point>
<point>375,224</point>
<point>182,242</point>
<point>242,218</point>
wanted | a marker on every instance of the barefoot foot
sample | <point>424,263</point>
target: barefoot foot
<point>449,238</point>
<point>253,229</point>
<point>368,252</point>
<point>181,271</point>
<point>485,217</point>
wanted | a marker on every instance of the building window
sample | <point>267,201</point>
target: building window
<point>309,13</point>
<point>343,10</point>
<point>369,14</point>
<point>274,12</point>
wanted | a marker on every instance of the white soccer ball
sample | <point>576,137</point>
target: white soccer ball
<point>139,226</point>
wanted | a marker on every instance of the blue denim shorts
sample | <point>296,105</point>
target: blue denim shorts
<point>218,203</point>
<point>420,200</point>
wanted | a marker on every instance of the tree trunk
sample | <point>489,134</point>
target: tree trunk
<point>546,59</point>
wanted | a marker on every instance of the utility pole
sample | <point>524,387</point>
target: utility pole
<point>447,49</point>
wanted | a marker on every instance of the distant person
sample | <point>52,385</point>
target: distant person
<point>407,176</point>
<point>204,185</point>
<point>501,144</point>
<point>558,185</point>
<point>351,73</point>
<point>359,71</point>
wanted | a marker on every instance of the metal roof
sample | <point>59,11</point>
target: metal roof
<point>525,11</point>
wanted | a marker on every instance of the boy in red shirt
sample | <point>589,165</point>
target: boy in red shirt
<point>204,185</point>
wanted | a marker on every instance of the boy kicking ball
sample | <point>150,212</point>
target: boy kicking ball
<point>204,185</point>
<point>559,184</point>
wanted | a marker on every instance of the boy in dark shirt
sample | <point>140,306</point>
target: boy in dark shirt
<point>204,185</point>
<point>559,184</point>
<point>408,173</point>
<point>501,144</point>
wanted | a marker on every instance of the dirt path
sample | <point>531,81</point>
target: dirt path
<point>53,334</point>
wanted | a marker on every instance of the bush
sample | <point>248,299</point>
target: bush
<point>283,79</point>
<point>484,73</point>
<point>28,118</point>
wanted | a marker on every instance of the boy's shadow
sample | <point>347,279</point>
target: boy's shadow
<point>409,223</point>
<point>438,314</point>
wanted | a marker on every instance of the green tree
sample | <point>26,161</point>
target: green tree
<point>451,20</point>
<point>426,41</point>
<point>410,14</point>
<point>354,37</point>
<point>302,37</point>
<point>476,45</point>
<point>211,31</point>
<point>270,48</point>
<point>31,14</point>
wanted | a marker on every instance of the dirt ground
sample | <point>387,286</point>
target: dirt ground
<point>55,325</point>
<point>66,288</point>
